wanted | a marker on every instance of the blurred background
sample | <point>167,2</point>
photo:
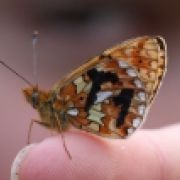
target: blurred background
<point>70,32</point>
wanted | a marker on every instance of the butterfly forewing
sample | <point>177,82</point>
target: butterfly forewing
<point>110,94</point>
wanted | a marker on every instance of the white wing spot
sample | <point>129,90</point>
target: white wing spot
<point>102,95</point>
<point>130,131</point>
<point>136,122</point>
<point>123,64</point>
<point>131,72</point>
<point>73,112</point>
<point>142,96</point>
<point>141,109</point>
<point>138,83</point>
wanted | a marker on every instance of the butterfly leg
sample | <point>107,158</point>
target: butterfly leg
<point>62,137</point>
<point>31,125</point>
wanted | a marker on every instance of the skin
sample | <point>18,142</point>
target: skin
<point>148,154</point>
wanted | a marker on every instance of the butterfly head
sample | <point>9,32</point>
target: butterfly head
<point>35,96</point>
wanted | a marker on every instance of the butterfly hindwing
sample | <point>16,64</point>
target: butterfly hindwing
<point>110,94</point>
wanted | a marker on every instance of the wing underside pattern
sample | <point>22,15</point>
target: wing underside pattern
<point>110,95</point>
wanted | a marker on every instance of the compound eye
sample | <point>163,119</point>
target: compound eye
<point>35,99</point>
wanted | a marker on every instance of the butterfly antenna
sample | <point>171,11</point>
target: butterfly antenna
<point>16,73</point>
<point>35,62</point>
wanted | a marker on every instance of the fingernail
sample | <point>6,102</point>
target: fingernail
<point>16,165</point>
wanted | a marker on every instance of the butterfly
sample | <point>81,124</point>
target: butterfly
<point>109,95</point>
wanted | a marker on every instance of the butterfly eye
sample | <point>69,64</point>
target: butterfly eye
<point>35,99</point>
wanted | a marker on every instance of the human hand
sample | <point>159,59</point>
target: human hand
<point>146,155</point>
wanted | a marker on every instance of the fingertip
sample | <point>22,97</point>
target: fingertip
<point>48,160</point>
<point>16,164</point>
<point>94,157</point>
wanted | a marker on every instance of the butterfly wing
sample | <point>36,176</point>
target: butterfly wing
<point>110,94</point>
